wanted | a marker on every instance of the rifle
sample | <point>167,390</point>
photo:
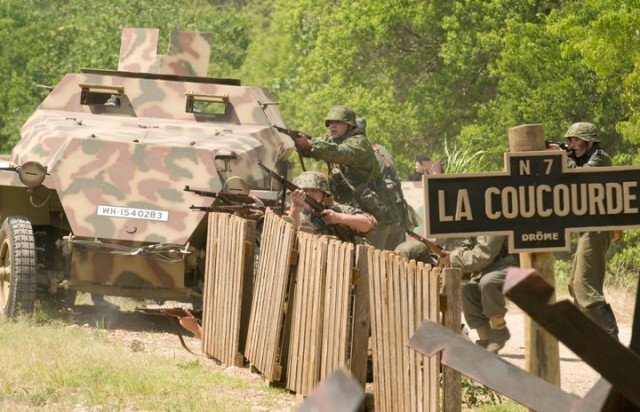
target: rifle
<point>248,211</point>
<point>342,232</point>
<point>229,198</point>
<point>563,146</point>
<point>433,248</point>
<point>294,134</point>
<point>228,208</point>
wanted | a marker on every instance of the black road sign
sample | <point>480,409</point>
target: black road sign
<point>537,202</point>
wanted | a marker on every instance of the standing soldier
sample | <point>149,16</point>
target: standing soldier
<point>354,170</point>
<point>589,266</point>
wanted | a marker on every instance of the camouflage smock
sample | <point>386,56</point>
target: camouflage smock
<point>353,155</point>
<point>315,224</point>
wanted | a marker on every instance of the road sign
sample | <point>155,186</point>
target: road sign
<point>537,202</point>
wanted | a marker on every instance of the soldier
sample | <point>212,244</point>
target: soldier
<point>354,170</point>
<point>589,265</point>
<point>486,259</point>
<point>316,185</point>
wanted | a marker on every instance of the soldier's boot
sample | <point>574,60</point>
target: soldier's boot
<point>498,335</point>
<point>483,335</point>
<point>603,316</point>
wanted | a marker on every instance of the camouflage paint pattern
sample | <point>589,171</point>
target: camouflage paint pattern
<point>117,172</point>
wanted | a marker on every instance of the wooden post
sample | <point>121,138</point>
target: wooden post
<point>542,354</point>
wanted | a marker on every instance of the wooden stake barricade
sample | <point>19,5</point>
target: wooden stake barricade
<point>228,287</point>
<point>267,337</point>
<point>315,299</point>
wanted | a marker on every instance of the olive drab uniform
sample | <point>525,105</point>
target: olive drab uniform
<point>486,259</point>
<point>586,285</point>
<point>352,163</point>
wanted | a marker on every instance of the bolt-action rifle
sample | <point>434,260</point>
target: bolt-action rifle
<point>230,198</point>
<point>564,146</point>
<point>341,231</point>
<point>241,209</point>
<point>433,248</point>
<point>294,134</point>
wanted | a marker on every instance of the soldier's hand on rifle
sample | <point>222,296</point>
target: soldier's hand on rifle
<point>297,199</point>
<point>331,217</point>
<point>445,259</point>
<point>302,141</point>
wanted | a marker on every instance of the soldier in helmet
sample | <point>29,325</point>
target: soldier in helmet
<point>355,177</point>
<point>589,265</point>
<point>316,185</point>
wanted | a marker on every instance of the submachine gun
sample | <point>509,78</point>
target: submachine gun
<point>340,231</point>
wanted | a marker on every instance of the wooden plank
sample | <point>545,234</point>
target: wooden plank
<point>340,392</point>
<point>361,317</point>
<point>399,277</point>
<point>433,313</point>
<point>585,338</point>
<point>451,379</point>
<point>376,309</point>
<point>268,324</point>
<point>489,369</point>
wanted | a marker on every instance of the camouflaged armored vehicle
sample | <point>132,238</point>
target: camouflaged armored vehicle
<point>92,197</point>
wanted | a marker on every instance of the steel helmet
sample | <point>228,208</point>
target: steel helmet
<point>313,180</point>
<point>341,114</point>
<point>415,250</point>
<point>583,130</point>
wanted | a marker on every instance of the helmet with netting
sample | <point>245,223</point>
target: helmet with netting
<point>313,180</point>
<point>415,250</point>
<point>583,130</point>
<point>341,114</point>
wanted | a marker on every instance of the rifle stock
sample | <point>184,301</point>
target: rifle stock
<point>433,248</point>
<point>342,232</point>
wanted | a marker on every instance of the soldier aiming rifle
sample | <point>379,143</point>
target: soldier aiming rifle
<point>312,207</point>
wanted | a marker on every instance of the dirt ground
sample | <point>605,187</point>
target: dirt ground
<point>152,333</point>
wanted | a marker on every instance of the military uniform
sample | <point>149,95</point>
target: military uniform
<point>352,163</point>
<point>586,285</point>
<point>313,222</point>
<point>486,259</point>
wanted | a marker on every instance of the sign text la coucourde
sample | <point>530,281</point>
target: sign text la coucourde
<point>537,202</point>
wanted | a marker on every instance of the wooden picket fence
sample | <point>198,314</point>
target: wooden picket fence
<point>315,300</point>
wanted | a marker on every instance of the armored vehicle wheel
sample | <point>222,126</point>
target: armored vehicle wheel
<point>17,267</point>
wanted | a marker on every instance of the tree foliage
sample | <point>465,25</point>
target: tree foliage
<point>427,75</point>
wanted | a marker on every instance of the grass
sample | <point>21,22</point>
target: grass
<point>47,364</point>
